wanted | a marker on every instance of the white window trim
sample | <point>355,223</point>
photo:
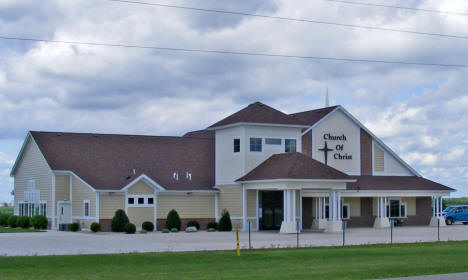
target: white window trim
<point>135,200</point>
<point>29,213</point>
<point>262,145</point>
<point>240,145</point>
<point>284,144</point>
<point>400,202</point>
<point>84,208</point>
<point>274,146</point>
<point>349,210</point>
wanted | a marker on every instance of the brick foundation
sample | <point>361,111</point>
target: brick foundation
<point>105,224</point>
<point>202,221</point>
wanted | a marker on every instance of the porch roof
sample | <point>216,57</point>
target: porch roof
<point>293,166</point>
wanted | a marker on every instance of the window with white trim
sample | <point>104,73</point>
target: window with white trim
<point>396,208</point>
<point>255,144</point>
<point>290,145</point>
<point>236,145</point>
<point>137,200</point>
<point>32,208</point>
<point>273,141</point>
<point>86,208</point>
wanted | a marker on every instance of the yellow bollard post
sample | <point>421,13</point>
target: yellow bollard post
<point>237,239</point>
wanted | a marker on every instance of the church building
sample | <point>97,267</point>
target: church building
<point>272,170</point>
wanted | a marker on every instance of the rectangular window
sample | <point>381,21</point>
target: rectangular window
<point>396,209</point>
<point>327,211</point>
<point>150,200</point>
<point>131,200</point>
<point>255,144</point>
<point>141,200</point>
<point>290,145</point>
<point>236,145</point>
<point>86,208</point>
<point>345,211</point>
<point>272,141</point>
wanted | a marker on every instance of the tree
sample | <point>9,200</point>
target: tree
<point>119,221</point>
<point>225,221</point>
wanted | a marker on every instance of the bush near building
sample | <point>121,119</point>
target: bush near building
<point>193,224</point>
<point>95,227</point>
<point>213,225</point>
<point>12,221</point>
<point>173,220</point>
<point>130,228</point>
<point>119,221</point>
<point>4,220</point>
<point>148,226</point>
<point>75,227</point>
<point>225,223</point>
<point>39,222</point>
<point>23,222</point>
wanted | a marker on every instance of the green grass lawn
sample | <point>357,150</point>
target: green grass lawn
<point>10,230</point>
<point>6,210</point>
<point>357,262</point>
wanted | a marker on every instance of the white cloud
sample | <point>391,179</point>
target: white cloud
<point>421,158</point>
<point>455,154</point>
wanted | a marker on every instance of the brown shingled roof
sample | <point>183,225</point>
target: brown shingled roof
<point>200,134</point>
<point>395,183</point>
<point>106,160</point>
<point>257,113</point>
<point>311,117</point>
<point>293,166</point>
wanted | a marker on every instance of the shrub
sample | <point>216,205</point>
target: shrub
<point>213,225</point>
<point>225,221</point>
<point>211,230</point>
<point>4,220</point>
<point>23,222</point>
<point>165,230</point>
<point>39,222</point>
<point>148,226</point>
<point>119,221</point>
<point>75,227</point>
<point>12,221</point>
<point>193,224</point>
<point>174,230</point>
<point>173,220</point>
<point>95,227</point>
<point>130,228</point>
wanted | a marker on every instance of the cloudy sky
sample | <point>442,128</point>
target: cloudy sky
<point>419,111</point>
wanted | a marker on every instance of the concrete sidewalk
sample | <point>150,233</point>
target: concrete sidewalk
<point>69,243</point>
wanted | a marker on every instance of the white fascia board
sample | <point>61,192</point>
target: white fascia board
<point>375,138</point>
<point>153,184</point>
<point>321,120</point>
<point>300,180</point>
<point>188,193</point>
<point>28,138</point>
<point>257,124</point>
<point>404,193</point>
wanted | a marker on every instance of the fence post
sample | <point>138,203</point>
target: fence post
<point>343,227</point>
<point>237,241</point>
<point>392,224</point>
<point>250,246</point>
<point>297,234</point>
<point>438,229</point>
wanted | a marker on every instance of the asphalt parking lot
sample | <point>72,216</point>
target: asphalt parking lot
<point>70,243</point>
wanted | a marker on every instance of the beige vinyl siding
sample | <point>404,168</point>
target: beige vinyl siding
<point>109,203</point>
<point>230,198</point>
<point>378,159</point>
<point>140,188</point>
<point>138,215</point>
<point>62,187</point>
<point>410,204</point>
<point>82,192</point>
<point>33,166</point>
<point>188,206</point>
<point>354,205</point>
<point>251,203</point>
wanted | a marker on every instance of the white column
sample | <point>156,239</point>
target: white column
<point>339,208</point>
<point>244,208</point>
<point>323,208</point>
<point>331,206</point>
<point>216,207</point>
<point>285,206</point>
<point>293,206</point>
